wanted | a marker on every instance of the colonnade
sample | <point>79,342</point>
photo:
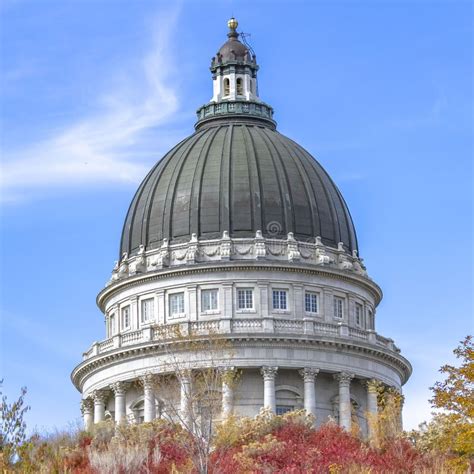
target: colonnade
<point>93,408</point>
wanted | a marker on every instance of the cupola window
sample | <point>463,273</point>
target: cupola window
<point>240,86</point>
<point>226,86</point>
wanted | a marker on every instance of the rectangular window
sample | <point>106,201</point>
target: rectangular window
<point>177,303</point>
<point>245,299</point>
<point>209,300</point>
<point>147,313</point>
<point>338,307</point>
<point>279,299</point>
<point>371,319</point>
<point>311,302</point>
<point>358,314</point>
<point>282,409</point>
<point>112,325</point>
<point>126,317</point>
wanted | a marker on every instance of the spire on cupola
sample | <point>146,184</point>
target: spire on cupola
<point>234,76</point>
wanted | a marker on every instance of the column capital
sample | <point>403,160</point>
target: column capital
<point>119,388</point>
<point>309,374</point>
<point>344,378</point>
<point>269,373</point>
<point>185,375</point>
<point>87,405</point>
<point>148,381</point>
<point>100,396</point>
<point>372,385</point>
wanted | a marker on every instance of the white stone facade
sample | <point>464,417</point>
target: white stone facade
<point>300,317</point>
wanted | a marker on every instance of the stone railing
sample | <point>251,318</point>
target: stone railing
<point>239,326</point>
<point>238,107</point>
<point>288,325</point>
<point>311,252</point>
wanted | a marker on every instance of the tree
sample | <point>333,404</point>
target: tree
<point>12,426</point>
<point>456,393</point>
<point>193,398</point>
<point>451,431</point>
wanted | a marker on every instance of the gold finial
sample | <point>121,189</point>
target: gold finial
<point>232,24</point>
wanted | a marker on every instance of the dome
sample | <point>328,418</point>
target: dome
<point>239,176</point>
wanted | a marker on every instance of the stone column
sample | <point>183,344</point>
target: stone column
<point>119,389</point>
<point>269,399</point>
<point>87,410</point>
<point>309,377</point>
<point>345,406</point>
<point>228,376</point>
<point>372,404</point>
<point>149,411</point>
<point>186,404</point>
<point>100,398</point>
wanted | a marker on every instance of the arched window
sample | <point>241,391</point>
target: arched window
<point>240,86</point>
<point>226,86</point>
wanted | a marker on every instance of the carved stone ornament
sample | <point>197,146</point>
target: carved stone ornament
<point>343,378</point>
<point>87,405</point>
<point>309,374</point>
<point>269,373</point>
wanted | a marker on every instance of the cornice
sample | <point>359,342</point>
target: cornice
<point>99,362</point>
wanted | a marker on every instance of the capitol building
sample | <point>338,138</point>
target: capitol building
<point>239,235</point>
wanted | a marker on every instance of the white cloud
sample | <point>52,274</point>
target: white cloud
<point>103,148</point>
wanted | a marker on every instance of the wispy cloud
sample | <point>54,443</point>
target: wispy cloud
<point>102,148</point>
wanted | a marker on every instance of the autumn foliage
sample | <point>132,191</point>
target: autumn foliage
<point>287,444</point>
<point>265,444</point>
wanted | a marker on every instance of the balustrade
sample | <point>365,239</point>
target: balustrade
<point>236,326</point>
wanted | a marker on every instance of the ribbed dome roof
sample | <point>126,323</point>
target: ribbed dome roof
<point>237,176</point>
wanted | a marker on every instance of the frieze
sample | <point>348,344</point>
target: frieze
<point>229,249</point>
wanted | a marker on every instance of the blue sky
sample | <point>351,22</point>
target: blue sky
<point>94,92</point>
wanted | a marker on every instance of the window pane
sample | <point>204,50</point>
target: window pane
<point>209,300</point>
<point>177,303</point>
<point>147,310</point>
<point>338,302</point>
<point>282,409</point>
<point>358,314</point>
<point>245,299</point>
<point>279,299</point>
<point>126,316</point>
<point>311,302</point>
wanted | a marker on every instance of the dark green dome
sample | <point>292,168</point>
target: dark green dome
<point>237,175</point>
